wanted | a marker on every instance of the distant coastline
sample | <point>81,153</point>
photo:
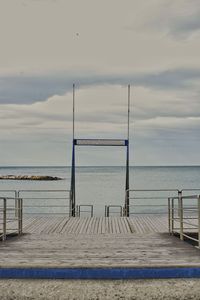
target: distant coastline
<point>29,177</point>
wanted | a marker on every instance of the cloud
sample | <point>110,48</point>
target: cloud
<point>183,19</point>
<point>103,110</point>
<point>36,88</point>
<point>160,120</point>
<point>178,19</point>
<point>185,27</point>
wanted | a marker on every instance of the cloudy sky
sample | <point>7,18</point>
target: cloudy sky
<point>101,46</point>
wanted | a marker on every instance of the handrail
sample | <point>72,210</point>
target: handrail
<point>79,211</point>
<point>26,195</point>
<point>177,209</point>
<point>130,197</point>
<point>108,212</point>
<point>47,190</point>
<point>153,190</point>
<point>8,215</point>
<point>31,196</point>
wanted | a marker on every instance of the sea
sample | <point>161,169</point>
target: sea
<point>100,186</point>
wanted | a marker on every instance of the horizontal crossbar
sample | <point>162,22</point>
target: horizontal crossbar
<point>100,142</point>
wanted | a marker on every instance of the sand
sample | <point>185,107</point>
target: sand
<point>85,289</point>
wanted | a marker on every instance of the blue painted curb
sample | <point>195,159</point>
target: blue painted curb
<point>99,273</point>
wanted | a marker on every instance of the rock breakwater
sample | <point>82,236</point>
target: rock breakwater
<point>28,177</point>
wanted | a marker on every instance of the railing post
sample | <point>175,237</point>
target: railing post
<point>4,219</point>
<point>172,216</point>
<point>121,211</point>
<point>169,215</point>
<point>124,211</point>
<point>76,210</point>
<point>106,211</point>
<point>198,199</point>
<point>16,203</point>
<point>179,201</point>
<point>20,215</point>
<point>79,210</point>
<point>181,216</point>
<point>92,211</point>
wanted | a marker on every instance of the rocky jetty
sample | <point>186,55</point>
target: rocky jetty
<point>28,177</point>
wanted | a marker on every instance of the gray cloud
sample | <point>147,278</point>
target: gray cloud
<point>185,26</point>
<point>30,89</point>
<point>179,19</point>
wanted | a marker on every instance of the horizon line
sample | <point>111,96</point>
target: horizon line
<point>92,166</point>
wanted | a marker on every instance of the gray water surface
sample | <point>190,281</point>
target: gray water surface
<point>102,186</point>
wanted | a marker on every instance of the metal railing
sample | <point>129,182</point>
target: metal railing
<point>109,211</point>
<point>152,201</point>
<point>46,202</point>
<point>11,218</point>
<point>79,211</point>
<point>184,217</point>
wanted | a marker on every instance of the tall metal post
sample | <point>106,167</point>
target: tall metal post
<point>198,199</point>
<point>72,196</point>
<point>127,210</point>
<point>73,109</point>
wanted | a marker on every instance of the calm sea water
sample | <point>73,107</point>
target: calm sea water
<point>102,186</point>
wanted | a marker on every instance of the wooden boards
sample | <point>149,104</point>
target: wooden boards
<point>62,242</point>
<point>97,250</point>
<point>96,225</point>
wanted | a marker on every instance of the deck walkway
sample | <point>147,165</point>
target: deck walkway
<point>96,242</point>
<point>96,225</point>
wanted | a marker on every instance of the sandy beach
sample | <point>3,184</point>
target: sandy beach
<point>84,289</point>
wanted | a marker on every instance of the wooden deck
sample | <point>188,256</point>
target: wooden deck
<point>97,242</point>
<point>96,225</point>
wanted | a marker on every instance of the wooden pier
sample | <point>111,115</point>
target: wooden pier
<point>52,242</point>
<point>96,225</point>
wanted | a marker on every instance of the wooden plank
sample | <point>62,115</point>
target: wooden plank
<point>62,225</point>
<point>85,250</point>
<point>90,226</point>
<point>114,225</point>
<point>76,226</point>
<point>48,225</point>
<point>128,228</point>
<point>86,226</point>
<point>83,222</point>
<point>123,226</point>
<point>96,226</point>
<point>35,225</point>
<point>71,226</point>
<point>103,225</point>
<point>100,226</point>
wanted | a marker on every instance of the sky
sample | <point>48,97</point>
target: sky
<point>101,46</point>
